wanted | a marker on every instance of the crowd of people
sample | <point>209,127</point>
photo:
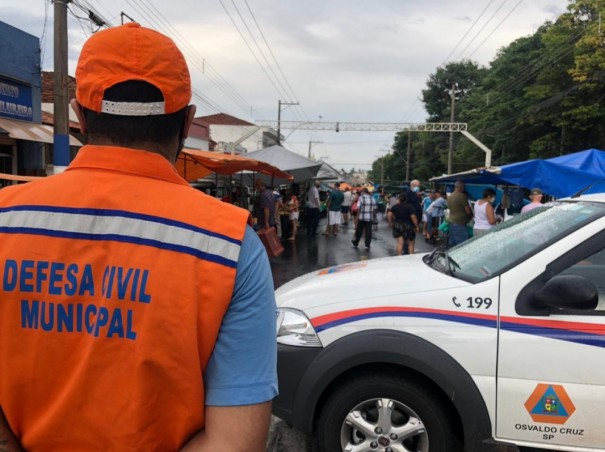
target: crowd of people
<point>431,214</point>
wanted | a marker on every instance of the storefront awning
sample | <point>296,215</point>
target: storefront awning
<point>21,130</point>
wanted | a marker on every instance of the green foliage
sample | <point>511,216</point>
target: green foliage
<point>543,95</point>
<point>456,79</point>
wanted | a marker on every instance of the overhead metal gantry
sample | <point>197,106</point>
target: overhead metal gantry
<point>366,126</point>
<point>381,127</point>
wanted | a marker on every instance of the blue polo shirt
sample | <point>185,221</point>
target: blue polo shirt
<point>246,357</point>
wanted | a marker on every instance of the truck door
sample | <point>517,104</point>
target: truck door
<point>551,360</point>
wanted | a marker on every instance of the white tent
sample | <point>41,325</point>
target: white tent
<point>327,172</point>
<point>298,166</point>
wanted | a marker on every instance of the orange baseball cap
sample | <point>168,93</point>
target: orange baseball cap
<point>131,52</point>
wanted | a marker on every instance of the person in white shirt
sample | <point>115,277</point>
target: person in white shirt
<point>346,205</point>
<point>313,209</point>
<point>485,218</point>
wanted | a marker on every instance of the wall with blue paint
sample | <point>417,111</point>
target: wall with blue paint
<point>20,64</point>
<point>20,89</point>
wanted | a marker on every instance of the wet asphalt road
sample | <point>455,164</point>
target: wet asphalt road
<point>307,254</point>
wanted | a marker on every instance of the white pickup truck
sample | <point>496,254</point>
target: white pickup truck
<point>496,343</point>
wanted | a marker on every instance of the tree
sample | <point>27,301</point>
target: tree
<point>456,79</point>
<point>495,110</point>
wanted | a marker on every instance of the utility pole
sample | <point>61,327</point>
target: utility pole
<point>408,157</point>
<point>381,161</point>
<point>451,148</point>
<point>311,143</point>
<point>61,106</point>
<point>279,105</point>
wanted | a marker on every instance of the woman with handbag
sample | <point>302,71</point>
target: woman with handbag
<point>402,218</point>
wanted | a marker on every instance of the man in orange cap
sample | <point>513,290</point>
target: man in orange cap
<point>136,313</point>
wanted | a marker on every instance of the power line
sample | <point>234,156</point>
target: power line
<point>154,16</point>
<point>467,32</point>
<point>110,23</point>
<point>251,51</point>
<point>43,37</point>
<point>262,54</point>
<point>287,93</point>
<point>270,51</point>
<point>206,67</point>
<point>481,29</point>
<point>495,28</point>
<point>202,100</point>
<point>93,15</point>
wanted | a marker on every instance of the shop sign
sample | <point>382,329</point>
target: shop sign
<point>15,100</point>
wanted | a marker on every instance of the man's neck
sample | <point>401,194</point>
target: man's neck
<point>161,149</point>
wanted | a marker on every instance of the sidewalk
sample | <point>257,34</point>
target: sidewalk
<point>307,254</point>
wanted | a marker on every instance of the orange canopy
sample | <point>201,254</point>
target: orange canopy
<point>193,164</point>
<point>15,177</point>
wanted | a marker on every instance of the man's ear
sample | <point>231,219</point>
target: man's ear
<point>189,116</point>
<point>80,115</point>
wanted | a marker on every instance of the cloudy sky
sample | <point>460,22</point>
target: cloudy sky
<point>342,60</point>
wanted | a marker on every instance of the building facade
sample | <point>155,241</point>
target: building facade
<point>20,102</point>
<point>26,132</point>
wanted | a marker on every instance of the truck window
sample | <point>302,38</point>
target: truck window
<point>509,243</point>
<point>593,269</point>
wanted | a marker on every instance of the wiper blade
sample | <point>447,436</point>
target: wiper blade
<point>431,257</point>
<point>450,264</point>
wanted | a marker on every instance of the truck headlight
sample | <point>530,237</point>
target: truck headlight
<point>294,328</point>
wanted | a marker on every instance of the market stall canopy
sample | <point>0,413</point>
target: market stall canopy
<point>558,176</point>
<point>301,168</point>
<point>193,164</point>
<point>327,172</point>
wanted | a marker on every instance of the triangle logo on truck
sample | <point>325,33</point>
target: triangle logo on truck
<point>549,404</point>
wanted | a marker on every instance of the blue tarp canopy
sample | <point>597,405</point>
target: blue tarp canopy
<point>558,176</point>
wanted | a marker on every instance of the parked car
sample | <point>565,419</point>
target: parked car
<point>496,343</point>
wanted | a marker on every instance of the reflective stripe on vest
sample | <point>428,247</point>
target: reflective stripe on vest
<point>121,226</point>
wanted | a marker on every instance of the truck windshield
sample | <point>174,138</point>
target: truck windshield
<point>489,254</point>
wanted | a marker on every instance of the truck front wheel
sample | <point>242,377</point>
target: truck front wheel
<point>381,412</point>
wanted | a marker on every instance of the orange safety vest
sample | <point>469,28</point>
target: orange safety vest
<point>115,277</point>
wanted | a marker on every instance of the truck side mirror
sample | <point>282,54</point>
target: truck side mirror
<point>566,292</point>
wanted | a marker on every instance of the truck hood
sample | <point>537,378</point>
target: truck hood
<point>370,279</point>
